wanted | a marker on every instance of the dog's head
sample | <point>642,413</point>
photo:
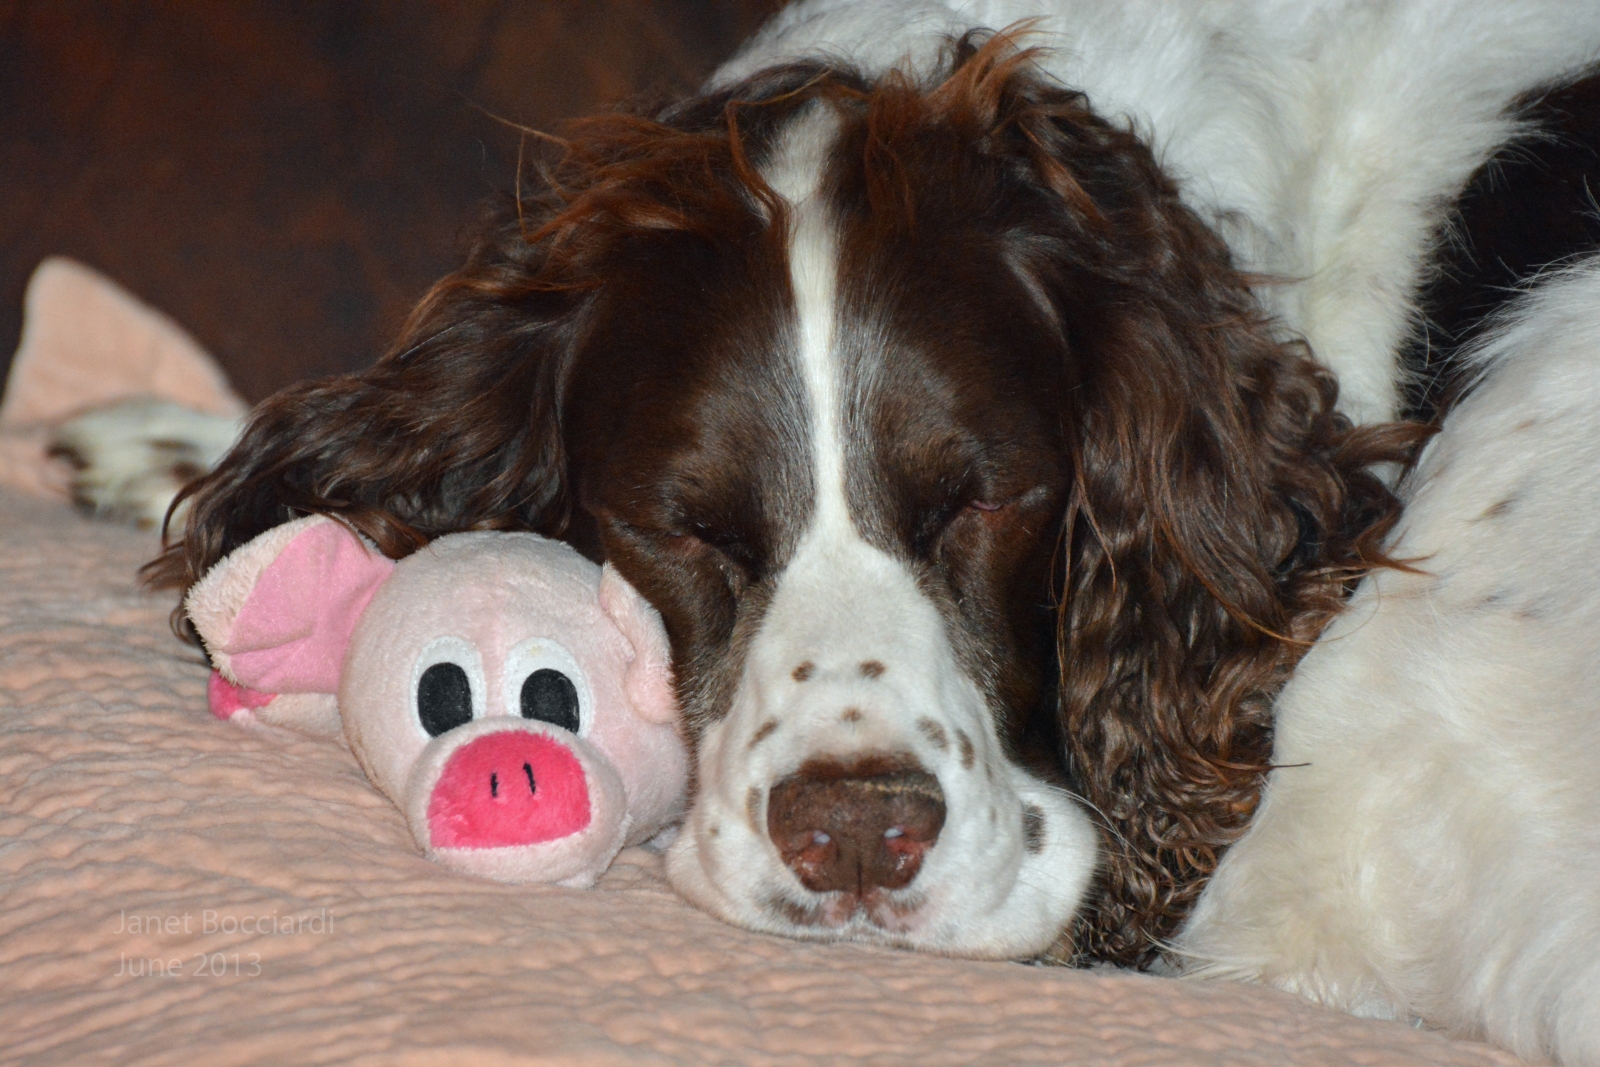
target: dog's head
<point>956,456</point>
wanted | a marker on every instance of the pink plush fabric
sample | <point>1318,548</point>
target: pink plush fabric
<point>291,634</point>
<point>649,682</point>
<point>509,788</point>
<point>136,827</point>
<point>227,700</point>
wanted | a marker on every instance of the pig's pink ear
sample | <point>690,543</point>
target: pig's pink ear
<point>648,683</point>
<point>277,613</point>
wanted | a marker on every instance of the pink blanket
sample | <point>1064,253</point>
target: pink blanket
<point>287,918</point>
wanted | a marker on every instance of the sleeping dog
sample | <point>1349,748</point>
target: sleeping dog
<point>996,419</point>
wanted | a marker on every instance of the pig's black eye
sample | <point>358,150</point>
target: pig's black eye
<point>444,698</point>
<point>549,696</point>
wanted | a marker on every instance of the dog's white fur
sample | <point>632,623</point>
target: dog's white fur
<point>1437,854</point>
<point>1430,846</point>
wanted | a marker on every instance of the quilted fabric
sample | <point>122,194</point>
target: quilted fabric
<point>296,923</point>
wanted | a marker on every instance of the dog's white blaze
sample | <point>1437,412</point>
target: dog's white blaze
<point>840,603</point>
<point>811,258</point>
<point>796,175</point>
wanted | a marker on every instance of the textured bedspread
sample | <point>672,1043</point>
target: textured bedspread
<point>287,919</point>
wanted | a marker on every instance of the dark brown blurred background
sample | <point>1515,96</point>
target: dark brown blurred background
<point>286,178</point>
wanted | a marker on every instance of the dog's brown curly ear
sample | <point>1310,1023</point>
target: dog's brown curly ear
<point>1220,505</point>
<point>458,428</point>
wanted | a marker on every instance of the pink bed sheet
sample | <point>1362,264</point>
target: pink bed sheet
<point>135,828</point>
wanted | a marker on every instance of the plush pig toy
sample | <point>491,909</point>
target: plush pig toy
<point>512,698</point>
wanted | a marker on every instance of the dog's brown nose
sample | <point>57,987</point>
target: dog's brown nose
<point>857,826</point>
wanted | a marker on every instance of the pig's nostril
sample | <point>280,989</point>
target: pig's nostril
<point>527,772</point>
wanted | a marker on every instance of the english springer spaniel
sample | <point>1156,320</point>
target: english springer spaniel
<point>996,420</point>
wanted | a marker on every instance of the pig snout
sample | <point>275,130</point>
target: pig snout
<point>508,788</point>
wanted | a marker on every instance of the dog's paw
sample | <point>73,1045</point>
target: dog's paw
<point>131,457</point>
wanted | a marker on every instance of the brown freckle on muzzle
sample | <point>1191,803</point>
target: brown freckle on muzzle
<point>968,754</point>
<point>1033,829</point>
<point>872,669</point>
<point>766,730</point>
<point>934,733</point>
<point>850,715</point>
<point>804,671</point>
<point>752,808</point>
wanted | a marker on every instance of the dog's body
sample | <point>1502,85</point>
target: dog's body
<point>958,426</point>
<point>1429,845</point>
